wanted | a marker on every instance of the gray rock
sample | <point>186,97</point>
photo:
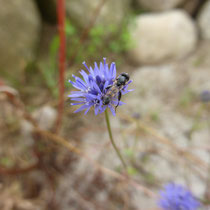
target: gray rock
<point>83,11</point>
<point>191,6</point>
<point>165,36</point>
<point>203,21</point>
<point>45,117</point>
<point>159,5</point>
<point>26,132</point>
<point>160,89</point>
<point>19,32</point>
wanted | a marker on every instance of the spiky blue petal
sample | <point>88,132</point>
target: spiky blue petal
<point>92,87</point>
<point>176,197</point>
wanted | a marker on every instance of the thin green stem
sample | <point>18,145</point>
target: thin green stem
<point>112,140</point>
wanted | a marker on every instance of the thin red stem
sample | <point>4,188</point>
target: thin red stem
<point>62,60</point>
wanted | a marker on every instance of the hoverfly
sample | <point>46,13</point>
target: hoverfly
<point>115,89</point>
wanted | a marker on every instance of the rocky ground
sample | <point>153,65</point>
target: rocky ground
<point>162,131</point>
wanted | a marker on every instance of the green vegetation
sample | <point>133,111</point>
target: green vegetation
<point>6,162</point>
<point>132,171</point>
<point>187,97</point>
<point>100,42</point>
<point>154,115</point>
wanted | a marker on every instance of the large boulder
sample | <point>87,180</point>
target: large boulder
<point>19,33</point>
<point>204,20</point>
<point>162,36</point>
<point>83,11</point>
<point>159,5</point>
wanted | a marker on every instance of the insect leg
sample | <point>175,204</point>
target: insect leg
<point>119,97</point>
<point>109,86</point>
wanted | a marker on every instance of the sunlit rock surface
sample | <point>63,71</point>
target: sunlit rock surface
<point>164,36</point>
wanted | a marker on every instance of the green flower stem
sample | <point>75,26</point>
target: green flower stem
<point>112,140</point>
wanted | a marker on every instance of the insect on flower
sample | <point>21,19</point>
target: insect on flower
<point>99,88</point>
<point>115,89</point>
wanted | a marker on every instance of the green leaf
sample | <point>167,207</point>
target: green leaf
<point>70,29</point>
<point>96,31</point>
<point>7,162</point>
<point>54,47</point>
<point>132,171</point>
<point>129,152</point>
<point>115,47</point>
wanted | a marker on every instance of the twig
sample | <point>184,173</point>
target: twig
<point>188,155</point>
<point>61,141</point>
<point>62,60</point>
<point>15,171</point>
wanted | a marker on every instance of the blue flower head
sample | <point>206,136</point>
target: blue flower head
<point>176,197</point>
<point>93,86</point>
<point>205,96</point>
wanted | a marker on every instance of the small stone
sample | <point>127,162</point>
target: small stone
<point>159,5</point>
<point>83,11</point>
<point>26,131</point>
<point>45,117</point>
<point>203,20</point>
<point>19,34</point>
<point>164,36</point>
<point>191,6</point>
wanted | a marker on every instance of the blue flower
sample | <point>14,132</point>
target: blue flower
<point>205,96</point>
<point>92,88</point>
<point>176,197</point>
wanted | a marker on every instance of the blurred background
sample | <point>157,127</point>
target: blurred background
<point>163,131</point>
